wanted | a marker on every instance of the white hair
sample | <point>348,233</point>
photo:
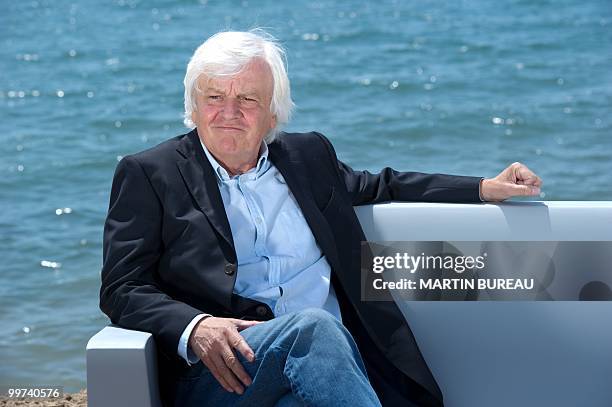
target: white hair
<point>226,54</point>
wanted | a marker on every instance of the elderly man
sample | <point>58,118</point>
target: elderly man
<point>213,232</point>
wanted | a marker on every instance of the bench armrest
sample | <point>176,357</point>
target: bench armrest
<point>122,369</point>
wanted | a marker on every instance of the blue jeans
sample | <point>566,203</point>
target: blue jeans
<point>302,358</point>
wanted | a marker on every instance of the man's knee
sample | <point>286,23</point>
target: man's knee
<point>318,318</point>
<point>323,334</point>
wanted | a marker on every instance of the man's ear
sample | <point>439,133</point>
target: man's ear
<point>273,122</point>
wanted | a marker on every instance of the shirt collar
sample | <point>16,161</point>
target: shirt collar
<point>260,168</point>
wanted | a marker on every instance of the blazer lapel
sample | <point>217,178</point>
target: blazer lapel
<point>201,181</point>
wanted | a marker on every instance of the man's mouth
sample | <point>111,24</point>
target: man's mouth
<point>228,128</point>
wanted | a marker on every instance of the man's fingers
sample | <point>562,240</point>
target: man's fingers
<point>218,354</point>
<point>236,367</point>
<point>237,342</point>
<point>525,176</point>
<point>242,324</point>
<point>524,190</point>
<point>535,181</point>
<point>217,375</point>
<point>226,373</point>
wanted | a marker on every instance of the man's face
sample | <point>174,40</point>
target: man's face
<point>233,114</point>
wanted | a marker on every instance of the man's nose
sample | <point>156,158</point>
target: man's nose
<point>231,109</point>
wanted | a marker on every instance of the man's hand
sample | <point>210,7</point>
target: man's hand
<point>516,180</point>
<point>212,340</point>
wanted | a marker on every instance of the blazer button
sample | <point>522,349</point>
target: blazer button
<point>230,268</point>
<point>261,310</point>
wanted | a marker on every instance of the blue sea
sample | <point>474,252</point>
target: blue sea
<point>464,87</point>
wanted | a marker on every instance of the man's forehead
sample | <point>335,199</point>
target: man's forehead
<point>256,76</point>
<point>228,83</point>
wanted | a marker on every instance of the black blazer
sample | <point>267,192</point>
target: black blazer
<point>169,254</point>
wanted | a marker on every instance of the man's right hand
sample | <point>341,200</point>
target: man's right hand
<point>213,340</point>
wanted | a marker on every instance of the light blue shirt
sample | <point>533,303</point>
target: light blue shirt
<point>279,261</point>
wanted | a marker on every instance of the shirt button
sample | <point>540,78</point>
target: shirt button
<point>261,310</point>
<point>258,221</point>
<point>230,268</point>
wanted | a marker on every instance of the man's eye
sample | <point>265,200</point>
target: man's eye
<point>249,101</point>
<point>214,97</point>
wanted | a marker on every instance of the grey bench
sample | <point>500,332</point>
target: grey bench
<point>481,353</point>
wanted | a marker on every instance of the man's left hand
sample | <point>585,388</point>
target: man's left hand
<point>516,180</point>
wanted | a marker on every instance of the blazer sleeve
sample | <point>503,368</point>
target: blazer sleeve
<point>130,293</point>
<point>365,188</point>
